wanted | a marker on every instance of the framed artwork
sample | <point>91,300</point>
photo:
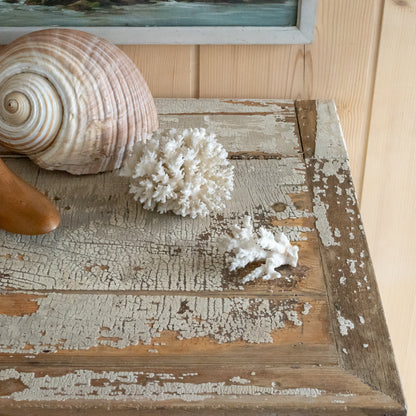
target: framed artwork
<point>166,21</point>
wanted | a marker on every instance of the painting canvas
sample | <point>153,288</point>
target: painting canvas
<point>208,20</point>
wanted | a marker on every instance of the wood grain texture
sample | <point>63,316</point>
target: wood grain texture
<point>388,203</point>
<point>170,71</point>
<point>251,71</point>
<point>352,288</point>
<point>235,392</point>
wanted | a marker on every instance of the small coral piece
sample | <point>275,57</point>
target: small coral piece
<point>184,172</point>
<point>246,248</point>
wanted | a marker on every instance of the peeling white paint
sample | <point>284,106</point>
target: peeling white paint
<point>322,224</point>
<point>344,324</point>
<point>351,265</point>
<point>262,133</point>
<point>306,308</point>
<point>304,392</point>
<point>134,387</point>
<point>178,106</point>
<point>82,321</point>
<point>330,143</point>
<point>239,380</point>
<point>334,168</point>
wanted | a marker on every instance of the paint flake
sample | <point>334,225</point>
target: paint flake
<point>351,264</point>
<point>239,380</point>
<point>344,324</point>
<point>306,308</point>
<point>322,224</point>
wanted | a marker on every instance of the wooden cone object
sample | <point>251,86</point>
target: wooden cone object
<point>23,209</point>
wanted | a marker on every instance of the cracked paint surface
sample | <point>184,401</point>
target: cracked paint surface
<point>105,244</point>
<point>79,322</point>
<point>136,386</point>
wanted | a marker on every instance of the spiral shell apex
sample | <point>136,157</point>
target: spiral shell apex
<point>72,101</point>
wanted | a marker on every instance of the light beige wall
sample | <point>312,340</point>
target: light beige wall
<point>364,57</point>
<point>388,201</point>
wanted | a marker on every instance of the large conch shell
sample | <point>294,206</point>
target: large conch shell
<point>72,101</point>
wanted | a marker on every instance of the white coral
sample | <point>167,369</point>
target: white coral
<point>185,172</point>
<point>246,248</point>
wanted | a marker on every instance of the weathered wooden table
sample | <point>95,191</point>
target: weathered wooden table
<point>122,309</point>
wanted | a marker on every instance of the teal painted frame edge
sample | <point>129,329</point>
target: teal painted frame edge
<point>302,33</point>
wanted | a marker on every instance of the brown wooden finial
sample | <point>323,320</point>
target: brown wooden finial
<point>23,209</point>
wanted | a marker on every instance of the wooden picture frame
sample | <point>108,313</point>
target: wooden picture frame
<point>302,33</point>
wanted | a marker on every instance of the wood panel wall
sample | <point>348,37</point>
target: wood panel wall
<point>389,193</point>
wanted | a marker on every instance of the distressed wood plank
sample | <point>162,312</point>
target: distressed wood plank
<point>267,134</point>
<point>320,130</point>
<point>360,330</point>
<point>306,114</point>
<point>284,108</point>
<point>232,391</point>
<point>155,326</point>
<point>103,242</point>
<point>211,354</point>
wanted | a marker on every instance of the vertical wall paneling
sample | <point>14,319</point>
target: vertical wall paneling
<point>389,192</point>
<point>169,70</point>
<point>340,64</point>
<point>251,71</point>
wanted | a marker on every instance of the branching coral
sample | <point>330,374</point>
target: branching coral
<point>184,172</point>
<point>246,247</point>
